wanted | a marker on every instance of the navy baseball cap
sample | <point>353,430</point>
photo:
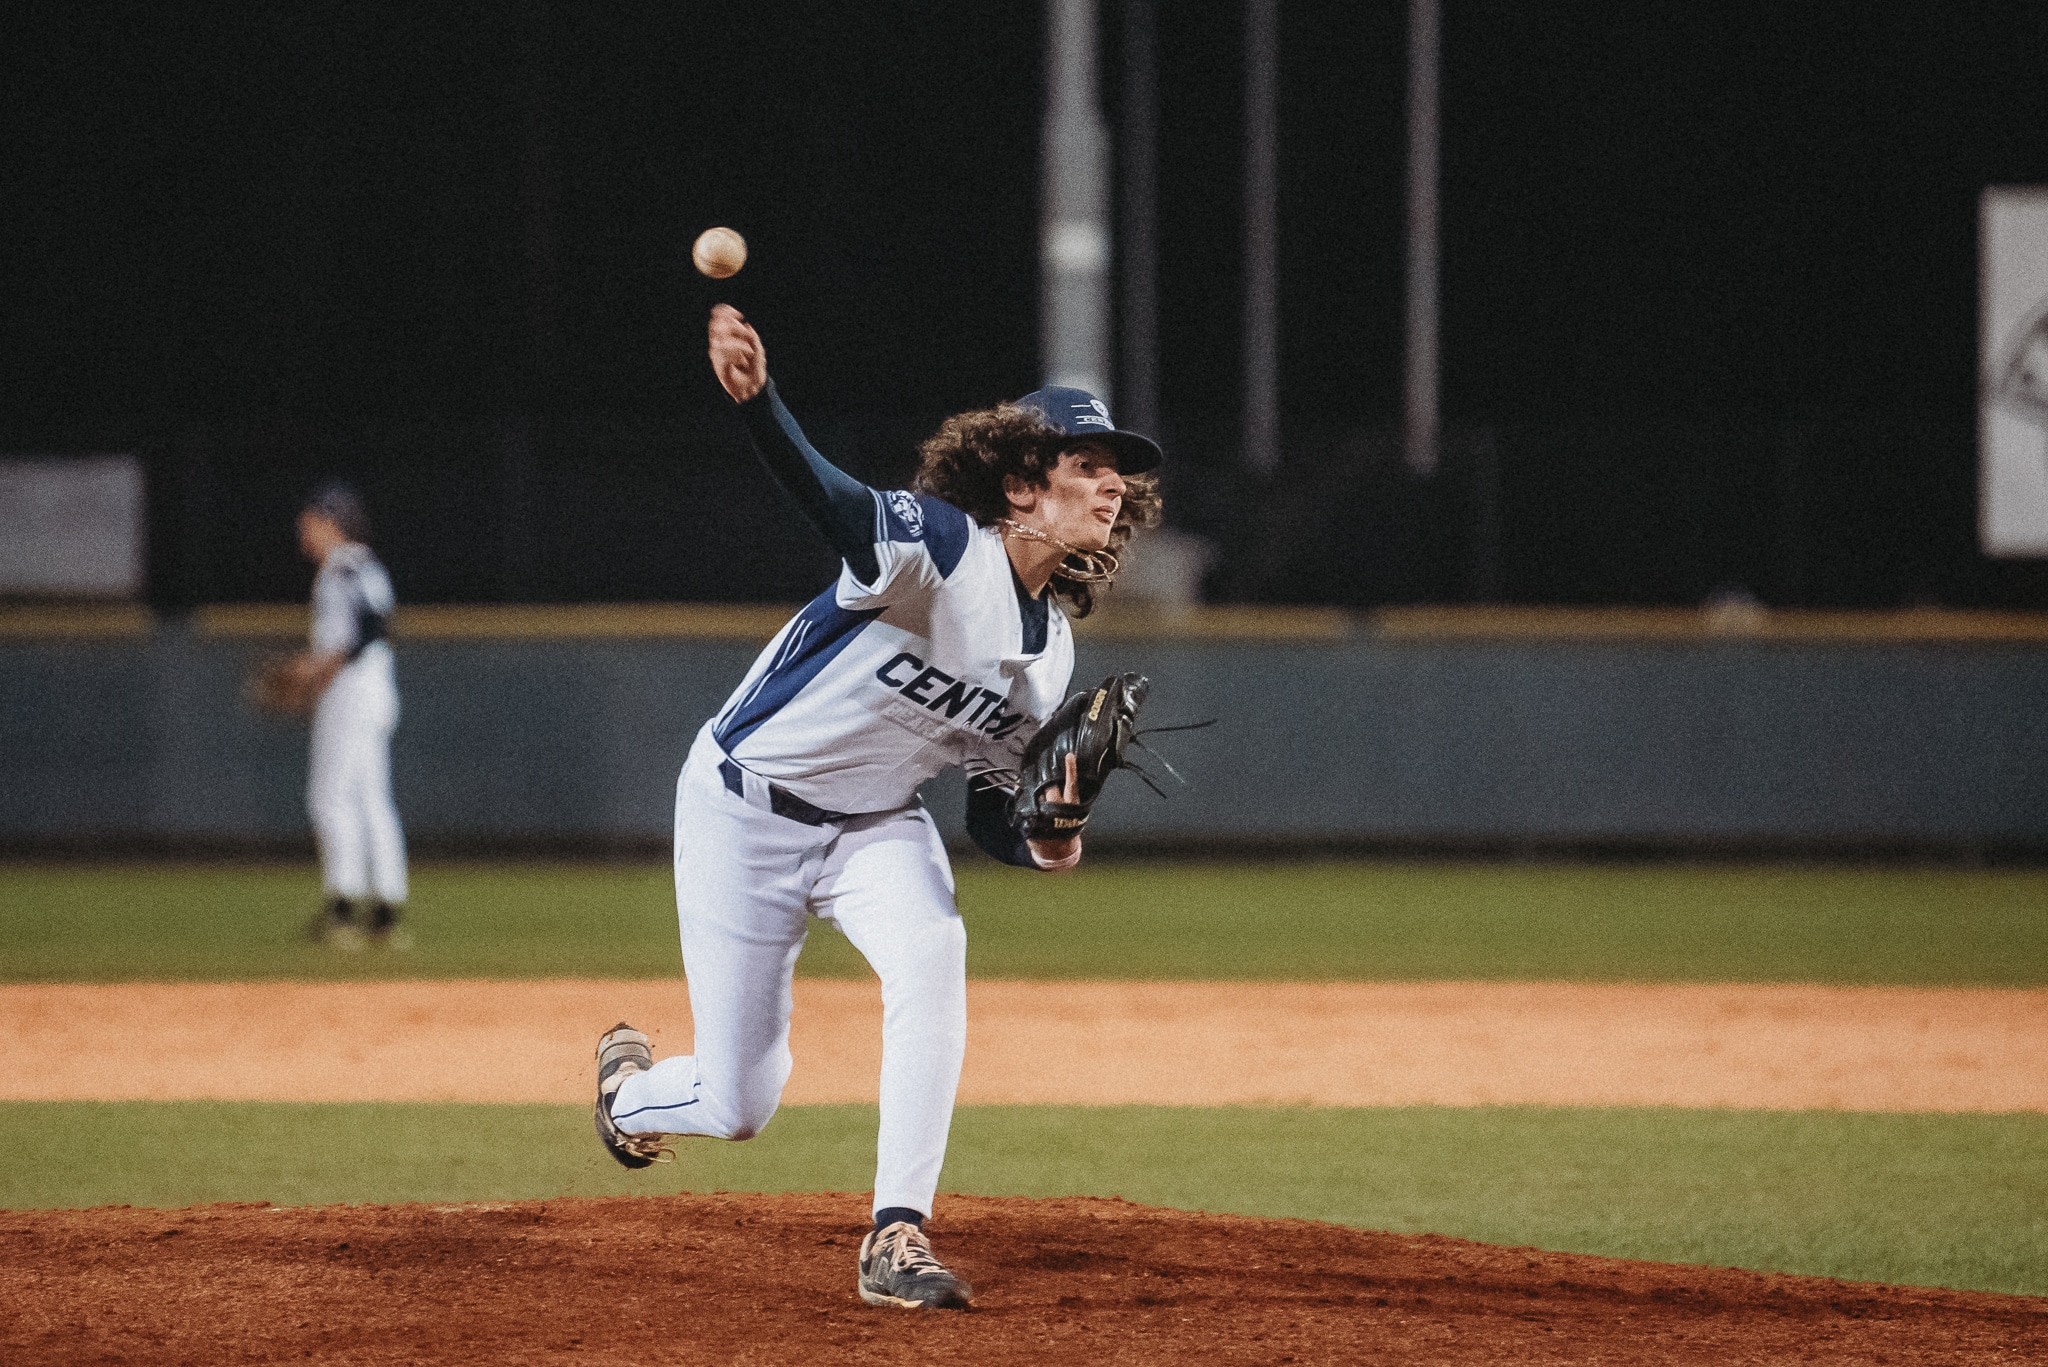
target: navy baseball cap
<point>1078,413</point>
<point>338,502</point>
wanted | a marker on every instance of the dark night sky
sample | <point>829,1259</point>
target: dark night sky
<point>309,211</point>
<point>1689,206</point>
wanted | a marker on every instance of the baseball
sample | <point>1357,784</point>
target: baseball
<point>719,252</point>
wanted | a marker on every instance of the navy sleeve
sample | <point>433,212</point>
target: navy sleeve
<point>988,821</point>
<point>836,503</point>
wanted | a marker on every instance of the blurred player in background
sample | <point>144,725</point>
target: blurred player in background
<point>347,671</point>
<point>940,645</point>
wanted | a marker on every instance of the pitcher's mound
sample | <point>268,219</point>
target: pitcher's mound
<point>729,1278</point>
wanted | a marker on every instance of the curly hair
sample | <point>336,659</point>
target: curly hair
<point>967,459</point>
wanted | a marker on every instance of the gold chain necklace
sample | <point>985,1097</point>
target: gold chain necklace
<point>1096,567</point>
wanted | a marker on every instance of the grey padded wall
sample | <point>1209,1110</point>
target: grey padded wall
<point>578,741</point>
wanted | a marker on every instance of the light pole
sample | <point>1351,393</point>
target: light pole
<point>1420,422</point>
<point>1137,223</point>
<point>1073,242</point>
<point>1261,236</point>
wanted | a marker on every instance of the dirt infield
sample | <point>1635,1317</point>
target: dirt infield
<point>1339,1044</point>
<point>726,1279</point>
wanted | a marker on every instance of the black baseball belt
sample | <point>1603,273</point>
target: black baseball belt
<point>781,801</point>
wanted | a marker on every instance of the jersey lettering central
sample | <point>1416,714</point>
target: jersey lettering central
<point>874,688</point>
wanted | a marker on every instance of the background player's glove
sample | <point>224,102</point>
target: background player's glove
<point>1095,728</point>
<point>281,688</point>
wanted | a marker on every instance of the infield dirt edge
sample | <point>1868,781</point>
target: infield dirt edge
<point>1746,1046</point>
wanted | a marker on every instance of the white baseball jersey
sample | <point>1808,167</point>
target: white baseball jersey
<point>351,601</point>
<point>875,687</point>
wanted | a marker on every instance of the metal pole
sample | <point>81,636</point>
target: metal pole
<point>1261,237</point>
<point>1074,229</point>
<point>1138,183</point>
<point>1420,391</point>
<point>540,204</point>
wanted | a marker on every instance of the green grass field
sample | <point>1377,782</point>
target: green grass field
<point>1350,920</point>
<point>1946,1200</point>
<point>1931,1200</point>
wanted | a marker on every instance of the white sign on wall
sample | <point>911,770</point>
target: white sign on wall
<point>71,526</point>
<point>2012,350</point>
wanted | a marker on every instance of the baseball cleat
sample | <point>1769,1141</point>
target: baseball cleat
<point>385,931</point>
<point>621,1052</point>
<point>334,924</point>
<point>897,1268</point>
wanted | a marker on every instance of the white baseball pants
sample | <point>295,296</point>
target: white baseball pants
<point>747,882</point>
<point>348,786</point>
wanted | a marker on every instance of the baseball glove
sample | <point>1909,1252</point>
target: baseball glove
<point>1096,728</point>
<point>280,688</point>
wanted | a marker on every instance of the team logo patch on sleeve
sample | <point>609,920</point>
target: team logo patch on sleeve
<point>904,507</point>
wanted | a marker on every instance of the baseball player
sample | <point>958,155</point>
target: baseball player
<point>347,669</point>
<point>943,642</point>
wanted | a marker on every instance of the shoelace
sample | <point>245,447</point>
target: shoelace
<point>908,1250</point>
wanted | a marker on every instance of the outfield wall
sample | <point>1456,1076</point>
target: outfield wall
<point>140,737</point>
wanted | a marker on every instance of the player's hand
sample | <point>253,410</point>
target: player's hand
<point>737,357</point>
<point>1054,851</point>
